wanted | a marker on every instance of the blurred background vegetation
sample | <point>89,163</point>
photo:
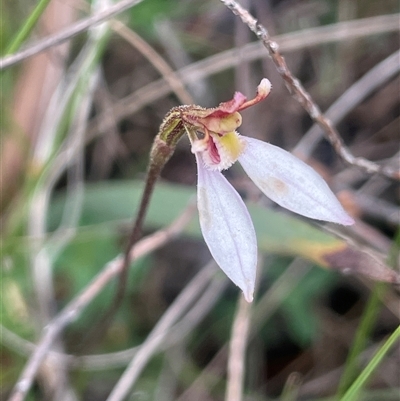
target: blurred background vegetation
<point>77,124</point>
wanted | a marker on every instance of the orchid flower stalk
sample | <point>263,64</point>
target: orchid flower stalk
<point>224,220</point>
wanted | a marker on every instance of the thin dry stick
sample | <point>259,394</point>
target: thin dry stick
<point>76,306</point>
<point>344,31</point>
<point>353,96</point>
<point>120,359</point>
<point>159,333</point>
<point>178,332</point>
<point>303,97</point>
<point>155,59</point>
<point>175,335</point>
<point>237,352</point>
<point>68,33</point>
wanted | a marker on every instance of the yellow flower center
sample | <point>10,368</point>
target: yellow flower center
<point>224,150</point>
<point>231,144</point>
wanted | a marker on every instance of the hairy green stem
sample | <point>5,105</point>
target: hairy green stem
<point>161,153</point>
<point>171,131</point>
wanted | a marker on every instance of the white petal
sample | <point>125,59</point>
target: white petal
<point>227,228</point>
<point>290,182</point>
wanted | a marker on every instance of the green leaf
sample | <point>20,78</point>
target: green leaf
<point>277,232</point>
<point>27,26</point>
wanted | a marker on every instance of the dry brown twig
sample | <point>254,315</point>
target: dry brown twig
<point>353,96</point>
<point>76,306</point>
<point>250,52</point>
<point>297,90</point>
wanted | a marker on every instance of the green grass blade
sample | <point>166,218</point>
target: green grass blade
<point>364,330</point>
<point>26,29</point>
<point>353,392</point>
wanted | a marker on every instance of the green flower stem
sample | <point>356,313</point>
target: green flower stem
<point>26,29</point>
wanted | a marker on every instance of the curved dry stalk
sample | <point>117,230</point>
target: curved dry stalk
<point>155,59</point>
<point>68,33</point>
<point>41,256</point>
<point>353,96</point>
<point>79,303</point>
<point>299,93</point>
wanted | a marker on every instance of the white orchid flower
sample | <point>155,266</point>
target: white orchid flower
<point>225,222</point>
